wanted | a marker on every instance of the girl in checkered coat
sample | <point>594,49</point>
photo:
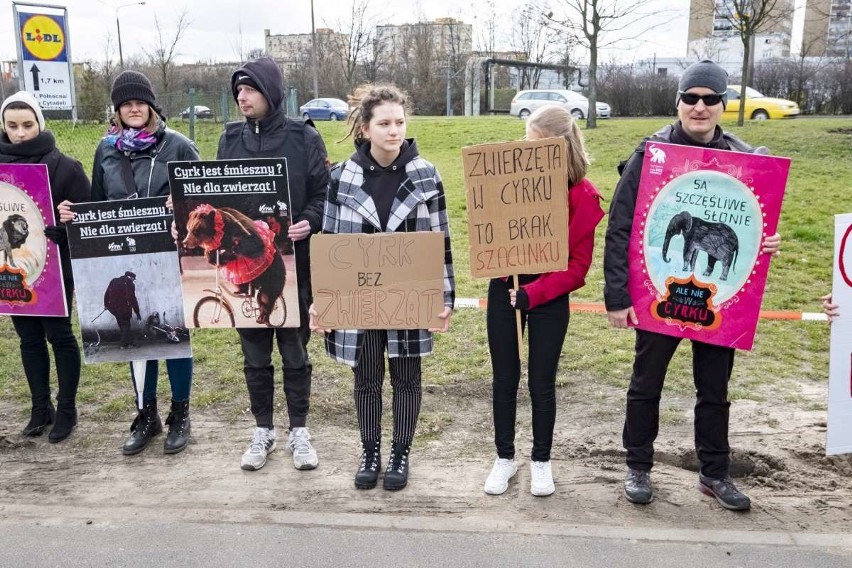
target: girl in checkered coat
<point>386,187</point>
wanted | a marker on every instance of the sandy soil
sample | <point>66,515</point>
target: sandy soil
<point>778,458</point>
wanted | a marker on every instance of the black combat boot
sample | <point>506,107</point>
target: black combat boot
<point>145,426</point>
<point>368,471</point>
<point>41,417</point>
<point>66,419</point>
<point>179,427</point>
<point>396,474</point>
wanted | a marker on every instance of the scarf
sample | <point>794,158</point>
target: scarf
<point>130,139</point>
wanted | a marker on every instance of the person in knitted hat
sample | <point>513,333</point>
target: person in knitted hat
<point>25,141</point>
<point>131,161</point>
<point>700,101</point>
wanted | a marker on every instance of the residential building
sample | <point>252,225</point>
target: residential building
<point>828,28</point>
<point>293,51</point>
<point>447,37</point>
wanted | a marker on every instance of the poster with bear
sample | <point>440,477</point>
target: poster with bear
<point>238,265</point>
<point>127,281</point>
<point>696,270</point>
<point>30,269</point>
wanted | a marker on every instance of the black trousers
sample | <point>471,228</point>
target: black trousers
<point>546,326</point>
<point>405,377</point>
<point>260,374</point>
<point>711,369</point>
<point>35,332</point>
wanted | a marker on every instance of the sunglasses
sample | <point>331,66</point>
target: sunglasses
<point>709,100</point>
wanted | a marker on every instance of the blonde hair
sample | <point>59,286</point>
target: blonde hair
<point>553,120</point>
<point>365,99</point>
<point>151,126</point>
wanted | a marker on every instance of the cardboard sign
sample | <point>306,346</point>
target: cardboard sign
<point>30,269</point>
<point>695,265</point>
<point>127,281</point>
<point>839,435</point>
<point>517,207</point>
<point>378,281</point>
<point>238,264</point>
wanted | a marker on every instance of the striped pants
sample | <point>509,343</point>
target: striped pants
<point>405,378</point>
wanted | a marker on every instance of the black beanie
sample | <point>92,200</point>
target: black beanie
<point>243,79</point>
<point>130,86</point>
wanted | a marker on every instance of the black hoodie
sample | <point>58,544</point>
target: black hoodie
<point>382,182</point>
<point>276,136</point>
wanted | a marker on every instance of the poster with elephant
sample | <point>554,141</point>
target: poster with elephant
<point>127,281</point>
<point>701,215</point>
<point>238,264</point>
<point>30,269</point>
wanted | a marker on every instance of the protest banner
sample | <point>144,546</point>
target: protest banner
<point>378,281</point>
<point>695,265</point>
<point>127,281</point>
<point>238,264</point>
<point>31,272</point>
<point>839,434</point>
<point>517,207</point>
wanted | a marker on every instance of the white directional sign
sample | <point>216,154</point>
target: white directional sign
<point>49,81</point>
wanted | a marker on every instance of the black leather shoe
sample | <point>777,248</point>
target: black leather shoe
<point>396,474</point>
<point>179,428</point>
<point>66,419</point>
<point>145,426</point>
<point>368,471</point>
<point>40,418</point>
<point>725,492</point>
<point>637,486</point>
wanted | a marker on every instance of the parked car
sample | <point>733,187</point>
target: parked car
<point>525,102</point>
<point>324,109</point>
<point>758,106</point>
<point>200,112</point>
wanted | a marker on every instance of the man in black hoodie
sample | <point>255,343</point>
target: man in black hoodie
<point>266,132</point>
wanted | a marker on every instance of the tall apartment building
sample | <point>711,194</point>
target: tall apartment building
<point>828,28</point>
<point>447,37</point>
<point>292,51</point>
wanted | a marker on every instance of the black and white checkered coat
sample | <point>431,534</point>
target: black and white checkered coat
<point>419,206</point>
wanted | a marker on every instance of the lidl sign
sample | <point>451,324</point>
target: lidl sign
<point>43,37</point>
<point>44,58</point>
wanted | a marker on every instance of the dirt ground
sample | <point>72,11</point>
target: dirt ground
<point>779,461</point>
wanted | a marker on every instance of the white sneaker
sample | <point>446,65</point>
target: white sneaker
<point>498,480</point>
<point>541,479</point>
<point>262,444</point>
<point>304,454</point>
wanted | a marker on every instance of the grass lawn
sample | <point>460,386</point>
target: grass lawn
<point>785,352</point>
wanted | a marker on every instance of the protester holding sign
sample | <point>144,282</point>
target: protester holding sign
<point>130,162</point>
<point>542,300</point>
<point>25,141</point>
<point>386,186</point>
<point>266,132</point>
<point>700,100</point>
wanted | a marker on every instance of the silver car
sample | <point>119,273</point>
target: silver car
<point>525,102</point>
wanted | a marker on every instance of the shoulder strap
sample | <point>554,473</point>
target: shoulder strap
<point>127,174</point>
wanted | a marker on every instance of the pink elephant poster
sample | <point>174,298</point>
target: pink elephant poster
<point>701,215</point>
<point>30,270</point>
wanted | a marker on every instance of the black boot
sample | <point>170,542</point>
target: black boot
<point>66,419</point>
<point>145,426</point>
<point>368,471</point>
<point>179,428</point>
<point>40,418</point>
<point>396,475</point>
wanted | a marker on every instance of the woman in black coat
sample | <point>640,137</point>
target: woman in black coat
<point>25,141</point>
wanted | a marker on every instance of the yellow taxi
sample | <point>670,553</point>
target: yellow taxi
<point>758,106</point>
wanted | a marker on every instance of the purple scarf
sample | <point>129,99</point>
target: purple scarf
<point>130,139</point>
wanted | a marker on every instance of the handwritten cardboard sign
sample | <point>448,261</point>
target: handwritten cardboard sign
<point>839,435</point>
<point>695,265</point>
<point>517,208</point>
<point>30,270</point>
<point>378,281</point>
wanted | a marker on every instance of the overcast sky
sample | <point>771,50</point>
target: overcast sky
<point>219,28</point>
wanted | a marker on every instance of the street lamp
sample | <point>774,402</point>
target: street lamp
<point>118,25</point>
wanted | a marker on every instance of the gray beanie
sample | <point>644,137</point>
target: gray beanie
<point>704,74</point>
<point>27,99</point>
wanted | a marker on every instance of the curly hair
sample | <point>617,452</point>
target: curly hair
<point>365,99</point>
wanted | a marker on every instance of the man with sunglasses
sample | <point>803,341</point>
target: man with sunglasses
<point>700,101</point>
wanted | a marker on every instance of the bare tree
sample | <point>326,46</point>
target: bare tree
<point>598,24</point>
<point>164,51</point>
<point>486,39</point>
<point>355,40</point>
<point>531,36</point>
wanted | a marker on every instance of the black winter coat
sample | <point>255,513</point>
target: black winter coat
<point>67,178</point>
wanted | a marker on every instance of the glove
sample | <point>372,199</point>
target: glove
<point>522,301</point>
<point>57,234</point>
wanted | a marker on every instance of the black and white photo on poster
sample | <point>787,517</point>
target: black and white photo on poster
<point>127,279</point>
<point>237,263</point>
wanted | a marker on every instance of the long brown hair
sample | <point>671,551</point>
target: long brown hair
<point>365,99</point>
<point>553,120</point>
<point>151,126</point>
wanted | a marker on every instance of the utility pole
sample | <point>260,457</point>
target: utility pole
<point>449,86</point>
<point>314,51</point>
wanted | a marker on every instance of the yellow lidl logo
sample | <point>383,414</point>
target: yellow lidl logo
<point>43,37</point>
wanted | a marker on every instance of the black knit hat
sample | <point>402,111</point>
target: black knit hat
<point>243,79</point>
<point>133,86</point>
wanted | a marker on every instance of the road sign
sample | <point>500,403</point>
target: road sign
<point>44,60</point>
